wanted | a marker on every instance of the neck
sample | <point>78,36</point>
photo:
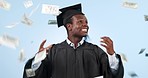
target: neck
<point>75,40</point>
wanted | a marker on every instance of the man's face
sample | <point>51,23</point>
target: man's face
<point>79,25</point>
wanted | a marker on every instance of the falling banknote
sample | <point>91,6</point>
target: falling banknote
<point>146,17</point>
<point>52,22</point>
<point>123,57</point>
<point>26,20</point>
<point>28,3</point>
<point>30,72</point>
<point>142,50</point>
<point>133,74</point>
<point>4,5</point>
<point>50,9</point>
<point>22,55</point>
<point>12,25</point>
<point>130,5</point>
<point>9,41</point>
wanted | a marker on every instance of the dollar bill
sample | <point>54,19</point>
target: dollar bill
<point>52,22</point>
<point>28,3</point>
<point>133,74</point>
<point>30,72</point>
<point>22,55</point>
<point>50,9</point>
<point>146,54</point>
<point>130,5</point>
<point>123,57</point>
<point>142,50</point>
<point>4,5</point>
<point>12,25</point>
<point>146,17</point>
<point>9,41</point>
<point>26,20</point>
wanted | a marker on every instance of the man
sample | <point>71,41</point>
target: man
<point>74,57</point>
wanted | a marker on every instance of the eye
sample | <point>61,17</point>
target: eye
<point>80,22</point>
<point>86,22</point>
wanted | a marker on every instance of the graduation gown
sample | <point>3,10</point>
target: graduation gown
<point>86,61</point>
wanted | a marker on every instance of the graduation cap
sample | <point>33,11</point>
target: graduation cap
<point>67,13</point>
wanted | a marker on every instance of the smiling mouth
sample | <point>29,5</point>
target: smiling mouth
<point>84,30</point>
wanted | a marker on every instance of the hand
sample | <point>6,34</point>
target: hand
<point>42,48</point>
<point>108,44</point>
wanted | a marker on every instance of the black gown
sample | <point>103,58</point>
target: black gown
<point>86,61</point>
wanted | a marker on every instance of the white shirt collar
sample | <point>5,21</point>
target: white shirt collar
<point>72,44</point>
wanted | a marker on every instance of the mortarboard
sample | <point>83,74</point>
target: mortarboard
<point>67,13</point>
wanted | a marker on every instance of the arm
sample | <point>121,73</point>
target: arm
<point>40,68</point>
<point>114,60</point>
<point>43,71</point>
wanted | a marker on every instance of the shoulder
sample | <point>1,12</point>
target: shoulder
<point>61,44</point>
<point>95,48</point>
<point>91,45</point>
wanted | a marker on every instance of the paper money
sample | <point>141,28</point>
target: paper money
<point>50,9</point>
<point>52,22</point>
<point>130,5</point>
<point>9,41</point>
<point>28,3</point>
<point>22,55</point>
<point>12,25</point>
<point>4,5</point>
<point>142,50</point>
<point>133,74</point>
<point>146,17</point>
<point>30,72</point>
<point>146,54</point>
<point>26,20</point>
<point>123,57</point>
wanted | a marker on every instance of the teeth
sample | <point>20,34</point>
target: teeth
<point>84,30</point>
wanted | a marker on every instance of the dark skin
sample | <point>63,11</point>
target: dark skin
<point>79,29</point>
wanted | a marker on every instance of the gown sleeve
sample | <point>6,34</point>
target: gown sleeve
<point>44,70</point>
<point>105,67</point>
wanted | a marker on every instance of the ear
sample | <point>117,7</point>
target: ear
<point>69,27</point>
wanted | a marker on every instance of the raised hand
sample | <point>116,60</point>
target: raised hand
<point>42,46</point>
<point>108,44</point>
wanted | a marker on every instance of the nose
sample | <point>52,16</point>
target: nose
<point>85,25</point>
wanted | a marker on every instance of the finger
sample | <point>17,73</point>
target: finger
<point>42,44</point>
<point>106,40</point>
<point>104,45</point>
<point>109,40</point>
